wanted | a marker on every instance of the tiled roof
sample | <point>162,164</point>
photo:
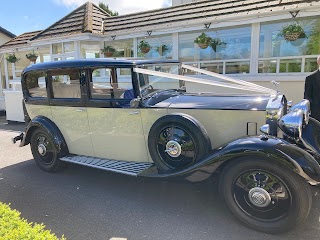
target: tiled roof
<point>20,41</point>
<point>6,32</point>
<point>199,12</point>
<point>86,18</point>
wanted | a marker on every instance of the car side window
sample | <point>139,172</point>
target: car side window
<point>36,84</point>
<point>66,83</point>
<point>111,83</point>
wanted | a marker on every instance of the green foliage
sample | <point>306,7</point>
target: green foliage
<point>203,39</point>
<point>292,32</point>
<point>162,48</point>
<point>12,58</point>
<point>12,226</point>
<point>108,49</point>
<point>31,55</point>
<point>105,7</point>
<point>144,44</point>
<point>313,46</point>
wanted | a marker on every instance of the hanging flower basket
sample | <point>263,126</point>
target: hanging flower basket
<point>292,32</point>
<point>32,57</point>
<point>144,46</point>
<point>12,58</point>
<point>108,51</point>
<point>203,41</point>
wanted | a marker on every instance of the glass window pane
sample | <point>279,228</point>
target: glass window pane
<point>68,47</point>
<point>290,65</point>
<point>90,49</point>
<point>274,44</point>
<point>106,84</point>
<point>65,83</point>
<point>229,43</point>
<point>267,66</point>
<point>57,48</point>
<point>216,67</point>
<point>155,47</point>
<point>311,64</point>
<point>36,84</point>
<point>119,48</point>
<point>237,67</point>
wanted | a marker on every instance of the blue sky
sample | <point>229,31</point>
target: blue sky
<point>20,16</point>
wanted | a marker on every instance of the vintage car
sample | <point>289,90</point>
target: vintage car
<point>151,118</point>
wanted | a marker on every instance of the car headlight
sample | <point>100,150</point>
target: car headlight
<point>304,105</point>
<point>291,123</point>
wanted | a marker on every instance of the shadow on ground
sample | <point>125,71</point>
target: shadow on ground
<point>85,203</point>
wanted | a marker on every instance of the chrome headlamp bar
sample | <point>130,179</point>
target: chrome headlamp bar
<point>275,110</point>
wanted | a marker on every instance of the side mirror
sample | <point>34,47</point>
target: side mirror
<point>134,103</point>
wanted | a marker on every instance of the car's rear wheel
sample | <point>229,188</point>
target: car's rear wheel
<point>44,151</point>
<point>177,142</point>
<point>264,196</point>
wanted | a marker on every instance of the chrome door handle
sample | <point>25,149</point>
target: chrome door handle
<point>133,113</point>
<point>80,110</point>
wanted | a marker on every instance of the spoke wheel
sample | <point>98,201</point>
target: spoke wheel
<point>177,141</point>
<point>44,151</point>
<point>265,196</point>
<point>262,195</point>
<point>176,147</point>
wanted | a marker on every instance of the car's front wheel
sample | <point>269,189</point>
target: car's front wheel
<point>264,196</point>
<point>44,151</point>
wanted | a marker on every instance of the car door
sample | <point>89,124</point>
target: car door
<point>68,109</point>
<point>116,129</point>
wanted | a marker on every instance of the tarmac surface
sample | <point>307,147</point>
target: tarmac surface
<point>85,203</point>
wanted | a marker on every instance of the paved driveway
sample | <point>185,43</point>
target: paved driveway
<point>85,203</point>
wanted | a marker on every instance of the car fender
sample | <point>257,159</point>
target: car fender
<point>50,128</point>
<point>278,151</point>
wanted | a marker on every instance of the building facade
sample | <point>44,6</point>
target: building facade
<point>247,40</point>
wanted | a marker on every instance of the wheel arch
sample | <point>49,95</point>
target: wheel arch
<point>44,123</point>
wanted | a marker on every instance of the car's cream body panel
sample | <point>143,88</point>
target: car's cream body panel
<point>222,126</point>
<point>117,134</point>
<point>73,124</point>
<point>39,110</point>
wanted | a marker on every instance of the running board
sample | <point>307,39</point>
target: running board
<point>129,168</point>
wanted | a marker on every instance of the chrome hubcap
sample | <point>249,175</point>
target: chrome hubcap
<point>173,149</point>
<point>42,149</point>
<point>259,197</point>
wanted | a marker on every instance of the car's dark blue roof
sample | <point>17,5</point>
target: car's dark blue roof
<point>96,62</point>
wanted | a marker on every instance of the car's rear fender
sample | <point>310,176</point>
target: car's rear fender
<point>50,128</point>
<point>256,148</point>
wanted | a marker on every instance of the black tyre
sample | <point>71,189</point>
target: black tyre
<point>177,142</point>
<point>44,151</point>
<point>264,196</point>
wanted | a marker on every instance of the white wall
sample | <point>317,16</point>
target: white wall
<point>3,38</point>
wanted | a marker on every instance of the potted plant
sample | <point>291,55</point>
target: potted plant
<point>292,32</point>
<point>162,49</point>
<point>217,42</point>
<point>108,51</point>
<point>12,58</point>
<point>144,46</point>
<point>203,41</point>
<point>32,57</point>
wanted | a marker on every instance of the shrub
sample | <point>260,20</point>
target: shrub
<point>12,226</point>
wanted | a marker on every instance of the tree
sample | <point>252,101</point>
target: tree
<point>105,7</point>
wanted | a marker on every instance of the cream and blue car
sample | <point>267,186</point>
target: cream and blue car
<point>147,118</point>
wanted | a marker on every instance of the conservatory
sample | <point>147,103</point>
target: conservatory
<point>257,41</point>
